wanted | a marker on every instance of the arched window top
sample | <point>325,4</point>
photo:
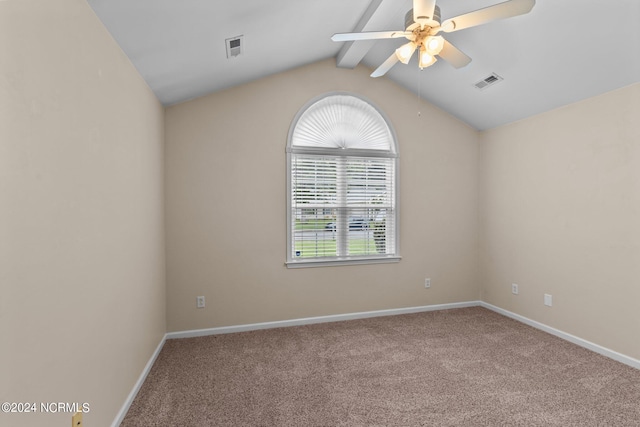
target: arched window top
<point>342,121</point>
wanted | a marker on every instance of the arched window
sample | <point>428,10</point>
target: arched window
<point>342,179</point>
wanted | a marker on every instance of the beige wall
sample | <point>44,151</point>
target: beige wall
<point>225,206</point>
<point>82,270</point>
<point>560,214</point>
<point>82,297</point>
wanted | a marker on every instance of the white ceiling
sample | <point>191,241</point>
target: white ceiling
<point>561,52</point>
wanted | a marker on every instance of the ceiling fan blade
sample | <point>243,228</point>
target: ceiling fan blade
<point>488,14</point>
<point>369,35</point>
<point>386,66</point>
<point>453,55</point>
<point>423,10</point>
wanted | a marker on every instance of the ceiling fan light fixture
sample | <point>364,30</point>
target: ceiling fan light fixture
<point>423,24</point>
<point>426,59</point>
<point>405,52</point>
<point>434,44</point>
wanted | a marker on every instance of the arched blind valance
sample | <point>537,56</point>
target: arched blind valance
<point>342,121</point>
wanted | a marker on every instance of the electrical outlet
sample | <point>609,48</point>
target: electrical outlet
<point>427,283</point>
<point>514,288</point>
<point>200,302</point>
<point>548,300</point>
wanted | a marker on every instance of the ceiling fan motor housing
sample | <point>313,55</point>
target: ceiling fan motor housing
<point>410,24</point>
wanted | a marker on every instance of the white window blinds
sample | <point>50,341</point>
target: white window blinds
<point>342,184</point>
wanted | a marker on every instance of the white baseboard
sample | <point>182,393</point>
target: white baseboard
<point>635,363</point>
<point>319,319</point>
<point>143,376</point>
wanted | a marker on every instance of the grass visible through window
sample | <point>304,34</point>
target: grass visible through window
<point>320,248</point>
<point>317,224</point>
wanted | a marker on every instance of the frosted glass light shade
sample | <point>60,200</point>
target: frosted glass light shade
<point>434,44</point>
<point>426,59</point>
<point>405,52</point>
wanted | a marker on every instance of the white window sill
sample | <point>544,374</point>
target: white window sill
<point>339,262</point>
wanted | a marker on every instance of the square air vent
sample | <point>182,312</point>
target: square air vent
<point>234,46</point>
<point>490,80</point>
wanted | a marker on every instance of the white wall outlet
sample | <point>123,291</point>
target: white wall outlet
<point>427,283</point>
<point>514,288</point>
<point>548,300</point>
<point>200,302</point>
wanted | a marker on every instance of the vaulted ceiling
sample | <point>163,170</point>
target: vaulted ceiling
<point>561,52</point>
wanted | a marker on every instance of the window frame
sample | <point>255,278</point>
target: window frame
<point>292,262</point>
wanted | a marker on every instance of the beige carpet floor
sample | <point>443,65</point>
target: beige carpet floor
<point>463,367</point>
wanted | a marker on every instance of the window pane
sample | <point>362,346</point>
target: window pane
<point>369,181</point>
<point>383,231</point>
<point>314,181</point>
<point>342,206</point>
<point>314,233</point>
<point>360,234</point>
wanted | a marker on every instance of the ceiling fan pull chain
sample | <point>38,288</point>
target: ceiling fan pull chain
<point>419,90</point>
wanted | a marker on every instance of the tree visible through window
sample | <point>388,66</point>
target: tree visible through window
<point>342,169</point>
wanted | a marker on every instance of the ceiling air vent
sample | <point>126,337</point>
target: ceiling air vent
<point>234,46</point>
<point>488,81</point>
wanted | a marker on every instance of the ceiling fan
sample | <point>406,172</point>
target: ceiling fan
<point>422,25</point>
